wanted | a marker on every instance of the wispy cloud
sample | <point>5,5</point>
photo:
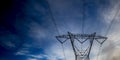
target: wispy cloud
<point>27,50</point>
<point>110,48</point>
<point>55,53</point>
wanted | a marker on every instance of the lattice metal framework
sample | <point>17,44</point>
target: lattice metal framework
<point>82,53</point>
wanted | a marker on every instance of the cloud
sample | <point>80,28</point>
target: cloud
<point>22,52</point>
<point>10,41</point>
<point>115,54</point>
<point>31,52</point>
<point>111,46</point>
<point>110,52</point>
<point>108,15</point>
<point>109,12</point>
<point>55,52</point>
<point>32,59</point>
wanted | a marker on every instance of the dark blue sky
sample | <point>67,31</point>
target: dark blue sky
<point>28,33</point>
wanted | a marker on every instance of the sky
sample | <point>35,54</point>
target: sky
<point>27,31</point>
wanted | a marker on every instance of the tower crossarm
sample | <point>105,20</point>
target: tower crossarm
<point>81,36</point>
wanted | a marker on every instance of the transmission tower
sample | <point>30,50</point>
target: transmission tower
<point>80,53</point>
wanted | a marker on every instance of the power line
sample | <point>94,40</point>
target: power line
<point>83,16</point>
<point>107,31</point>
<point>99,51</point>
<point>64,52</point>
<point>53,18</point>
<point>54,22</point>
<point>113,19</point>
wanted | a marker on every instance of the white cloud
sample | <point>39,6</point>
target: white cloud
<point>32,59</point>
<point>37,56</point>
<point>27,53</point>
<point>23,51</point>
<point>55,52</point>
<point>109,12</point>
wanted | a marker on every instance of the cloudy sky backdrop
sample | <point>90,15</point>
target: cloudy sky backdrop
<point>27,31</point>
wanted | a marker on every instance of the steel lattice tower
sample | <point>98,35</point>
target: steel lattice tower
<point>81,38</point>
